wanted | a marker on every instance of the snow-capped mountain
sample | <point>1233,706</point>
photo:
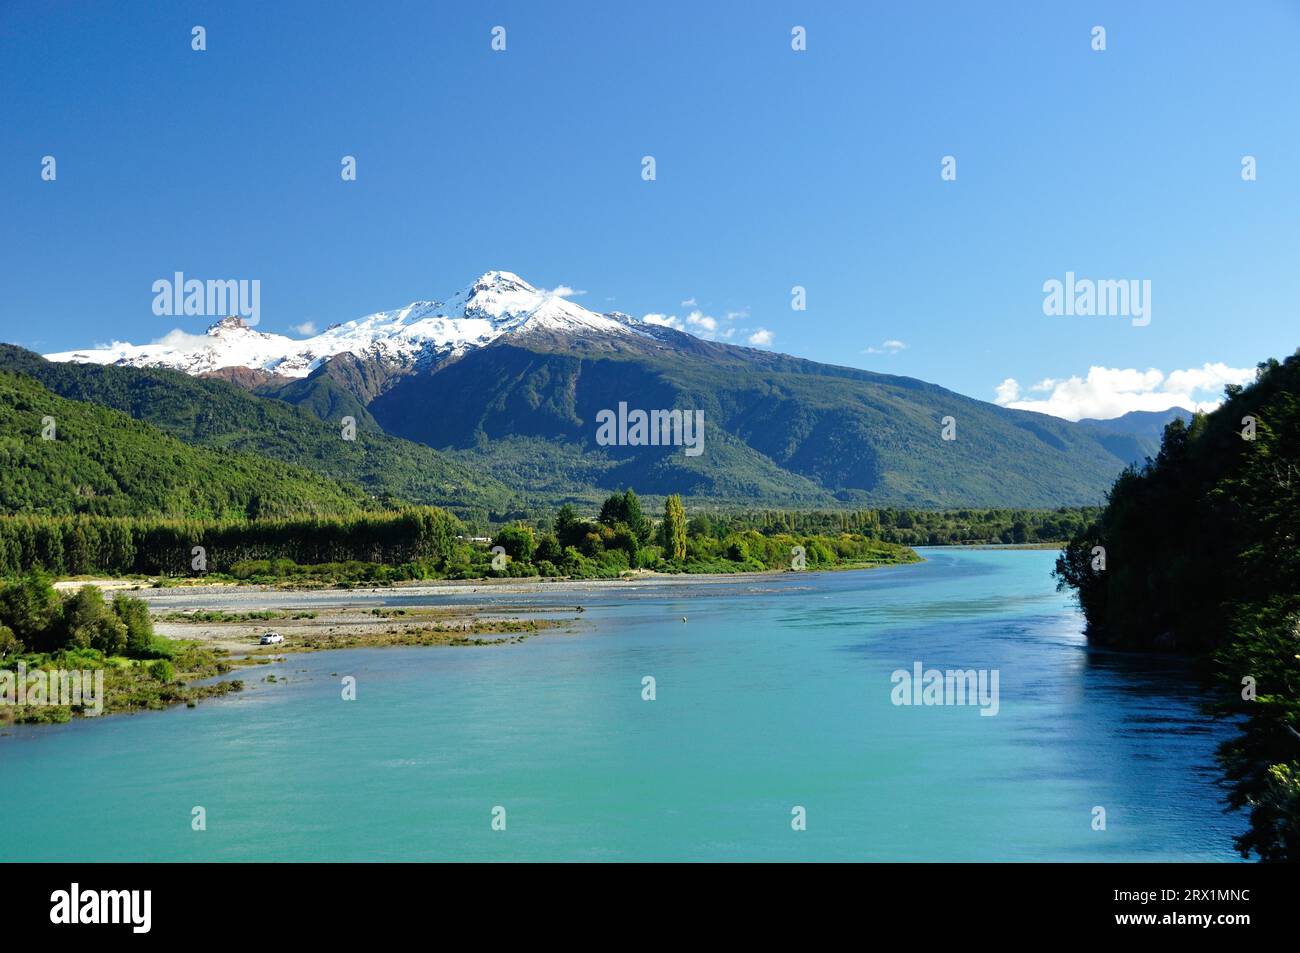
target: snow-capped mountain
<point>511,380</point>
<point>424,332</point>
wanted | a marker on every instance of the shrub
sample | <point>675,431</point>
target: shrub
<point>517,541</point>
<point>163,671</point>
<point>134,614</point>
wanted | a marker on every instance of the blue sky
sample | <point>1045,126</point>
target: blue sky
<point>775,168</point>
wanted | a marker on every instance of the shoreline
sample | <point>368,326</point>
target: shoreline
<point>147,588</point>
<point>316,619</point>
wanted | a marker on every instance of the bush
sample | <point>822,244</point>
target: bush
<point>88,623</point>
<point>517,541</point>
<point>548,549</point>
<point>134,614</point>
<point>9,644</point>
<point>163,671</point>
<point>738,550</point>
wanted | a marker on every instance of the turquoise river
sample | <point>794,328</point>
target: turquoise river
<point>774,694</point>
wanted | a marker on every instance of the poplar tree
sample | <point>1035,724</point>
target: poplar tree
<point>674,529</point>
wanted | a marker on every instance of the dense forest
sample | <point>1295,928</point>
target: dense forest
<point>269,458</point>
<point>420,543</point>
<point>780,431</point>
<point>78,545</point>
<point>913,527</point>
<point>63,457</point>
<point>1197,552</point>
<point>221,416</point>
<point>34,619</point>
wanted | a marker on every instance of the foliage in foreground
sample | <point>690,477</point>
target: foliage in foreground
<point>35,619</point>
<point>43,632</point>
<point>1202,556</point>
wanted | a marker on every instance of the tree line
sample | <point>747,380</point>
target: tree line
<point>77,545</point>
<point>912,527</point>
<point>624,537</point>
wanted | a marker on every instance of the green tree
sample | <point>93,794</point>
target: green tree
<point>518,542</point>
<point>134,614</point>
<point>163,671</point>
<point>626,508</point>
<point>1201,558</point>
<point>626,540</point>
<point>673,530</point>
<point>9,644</point>
<point>88,623</point>
<point>549,549</point>
<point>30,608</point>
<point>568,527</point>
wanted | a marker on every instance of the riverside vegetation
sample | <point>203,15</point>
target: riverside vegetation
<point>424,543</point>
<point>1202,556</point>
<point>39,630</point>
<point>42,632</point>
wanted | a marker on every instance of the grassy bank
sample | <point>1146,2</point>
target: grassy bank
<point>129,685</point>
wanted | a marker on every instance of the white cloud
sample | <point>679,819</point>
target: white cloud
<point>307,328</point>
<point>690,303</point>
<point>1111,391</point>
<point>1007,392</point>
<point>892,346</point>
<point>708,327</point>
<point>702,321</point>
<point>697,323</point>
<point>664,320</point>
<point>181,340</point>
<point>563,291</point>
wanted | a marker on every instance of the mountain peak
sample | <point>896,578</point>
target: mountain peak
<point>501,281</point>
<point>422,333</point>
<point>232,323</point>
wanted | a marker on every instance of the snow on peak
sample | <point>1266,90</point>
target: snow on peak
<point>229,324</point>
<point>497,303</point>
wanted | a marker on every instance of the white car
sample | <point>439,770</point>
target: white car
<point>272,638</point>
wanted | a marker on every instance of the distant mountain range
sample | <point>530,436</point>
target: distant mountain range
<point>1149,424</point>
<point>490,400</point>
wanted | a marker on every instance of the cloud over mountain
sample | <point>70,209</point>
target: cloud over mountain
<point>1108,392</point>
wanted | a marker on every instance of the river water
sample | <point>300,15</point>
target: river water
<point>772,703</point>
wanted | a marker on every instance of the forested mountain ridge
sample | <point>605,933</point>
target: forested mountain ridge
<point>219,415</point>
<point>814,431</point>
<point>62,457</point>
